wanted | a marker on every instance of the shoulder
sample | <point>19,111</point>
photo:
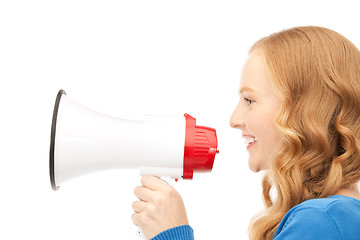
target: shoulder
<point>327,218</point>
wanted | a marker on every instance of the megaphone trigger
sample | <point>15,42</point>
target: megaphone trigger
<point>167,180</point>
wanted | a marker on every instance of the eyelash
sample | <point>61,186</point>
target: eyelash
<point>248,100</point>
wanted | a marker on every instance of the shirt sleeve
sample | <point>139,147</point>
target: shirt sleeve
<point>308,223</point>
<point>184,232</point>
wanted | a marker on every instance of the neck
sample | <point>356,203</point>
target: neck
<point>349,192</point>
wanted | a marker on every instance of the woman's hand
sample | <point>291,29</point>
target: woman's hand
<point>160,207</point>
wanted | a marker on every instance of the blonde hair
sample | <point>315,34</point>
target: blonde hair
<point>316,73</point>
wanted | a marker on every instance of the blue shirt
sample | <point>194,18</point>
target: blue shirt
<point>336,217</point>
<point>184,232</point>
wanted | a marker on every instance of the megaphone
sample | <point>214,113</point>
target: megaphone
<point>85,141</point>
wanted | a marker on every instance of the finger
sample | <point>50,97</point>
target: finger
<point>143,193</point>
<point>138,206</point>
<point>153,183</point>
<point>135,219</point>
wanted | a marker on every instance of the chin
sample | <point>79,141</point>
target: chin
<point>256,166</point>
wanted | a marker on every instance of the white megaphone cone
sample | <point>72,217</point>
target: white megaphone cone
<point>85,141</point>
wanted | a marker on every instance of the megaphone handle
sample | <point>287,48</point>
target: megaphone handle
<point>140,234</point>
<point>139,231</point>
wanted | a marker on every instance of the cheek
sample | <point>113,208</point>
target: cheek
<point>272,135</point>
<point>262,125</point>
<point>248,121</point>
<point>256,124</point>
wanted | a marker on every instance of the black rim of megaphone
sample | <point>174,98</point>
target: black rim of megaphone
<point>52,141</point>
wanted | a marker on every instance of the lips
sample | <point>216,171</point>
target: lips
<point>250,140</point>
<point>250,145</point>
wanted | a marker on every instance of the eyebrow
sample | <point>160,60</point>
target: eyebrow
<point>246,89</point>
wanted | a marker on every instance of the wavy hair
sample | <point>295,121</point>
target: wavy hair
<point>316,73</point>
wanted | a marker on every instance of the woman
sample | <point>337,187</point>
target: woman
<point>299,112</point>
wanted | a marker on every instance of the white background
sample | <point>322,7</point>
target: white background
<point>126,58</point>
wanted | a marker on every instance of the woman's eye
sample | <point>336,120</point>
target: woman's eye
<point>249,101</point>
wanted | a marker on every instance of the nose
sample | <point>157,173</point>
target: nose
<point>237,118</point>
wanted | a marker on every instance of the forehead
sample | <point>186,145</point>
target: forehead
<point>254,76</point>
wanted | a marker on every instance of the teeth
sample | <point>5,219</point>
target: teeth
<point>250,140</point>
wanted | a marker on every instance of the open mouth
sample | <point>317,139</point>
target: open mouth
<point>250,141</point>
